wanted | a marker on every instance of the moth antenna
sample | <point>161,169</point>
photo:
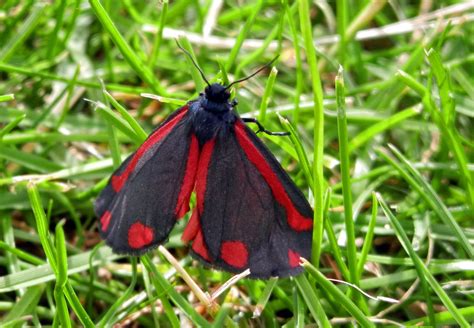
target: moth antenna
<point>254,73</point>
<point>194,63</point>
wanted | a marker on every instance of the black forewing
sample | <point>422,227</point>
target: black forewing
<point>143,212</point>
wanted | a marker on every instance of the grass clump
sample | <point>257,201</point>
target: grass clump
<point>378,97</point>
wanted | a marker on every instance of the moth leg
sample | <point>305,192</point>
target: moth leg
<point>261,128</point>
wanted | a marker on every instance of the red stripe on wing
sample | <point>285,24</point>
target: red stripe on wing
<point>201,179</point>
<point>182,206</point>
<point>193,229</point>
<point>295,220</point>
<point>118,181</point>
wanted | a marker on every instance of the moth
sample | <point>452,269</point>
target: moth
<point>248,215</point>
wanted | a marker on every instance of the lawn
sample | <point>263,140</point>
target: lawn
<point>378,100</point>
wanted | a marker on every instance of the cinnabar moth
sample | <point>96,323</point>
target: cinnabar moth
<point>248,213</point>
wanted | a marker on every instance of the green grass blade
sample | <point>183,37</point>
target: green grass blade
<point>318,131</point>
<point>312,301</point>
<point>449,134</point>
<point>34,73</point>
<point>328,226</point>
<point>331,289</point>
<point>27,304</point>
<point>118,122</point>
<point>181,302</point>
<point>10,126</point>
<point>346,178</point>
<point>263,300</point>
<point>107,320</point>
<point>368,237</point>
<point>140,68</point>
<point>50,53</point>
<point>369,133</point>
<point>232,59</point>
<point>299,62</point>
<point>33,162</point>
<point>423,273</point>
<point>448,113</point>
<point>300,151</point>
<point>159,35</point>
<point>429,195</point>
<point>267,94</point>
<point>43,232</point>
<point>61,278</point>
<point>199,82</point>
<point>23,33</point>
<point>7,97</point>
<point>444,318</point>
<point>126,115</point>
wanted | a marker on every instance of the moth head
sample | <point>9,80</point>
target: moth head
<point>217,93</point>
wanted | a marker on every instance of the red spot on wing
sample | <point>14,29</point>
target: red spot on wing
<point>293,258</point>
<point>139,235</point>
<point>105,220</point>
<point>118,181</point>
<point>234,253</point>
<point>295,220</point>
<point>182,206</point>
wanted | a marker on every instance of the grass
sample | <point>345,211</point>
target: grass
<point>381,144</point>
